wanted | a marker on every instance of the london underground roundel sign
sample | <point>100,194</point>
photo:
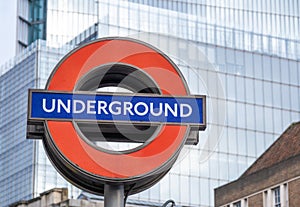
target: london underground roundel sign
<point>154,110</point>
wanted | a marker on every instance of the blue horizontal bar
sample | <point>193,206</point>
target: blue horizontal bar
<point>50,105</point>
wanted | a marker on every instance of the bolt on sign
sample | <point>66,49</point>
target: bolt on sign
<point>76,115</point>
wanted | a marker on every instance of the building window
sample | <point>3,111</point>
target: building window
<point>37,20</point>
<point>237,204</point>
<point>276,197</point>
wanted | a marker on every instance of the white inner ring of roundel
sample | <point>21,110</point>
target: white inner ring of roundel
<point>116,146</point>
<point>120,79</point>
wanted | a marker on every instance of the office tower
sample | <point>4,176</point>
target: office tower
<point>252,82</point>
<point>25,170</point>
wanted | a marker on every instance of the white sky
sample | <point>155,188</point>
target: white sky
<point>8,18</point>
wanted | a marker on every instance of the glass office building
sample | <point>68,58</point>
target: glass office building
<point>24,168</point>
<point>243,54</point>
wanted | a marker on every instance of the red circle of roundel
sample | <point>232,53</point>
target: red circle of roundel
<point>111,165</point>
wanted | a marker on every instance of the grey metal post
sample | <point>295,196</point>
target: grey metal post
<point>113,195</point>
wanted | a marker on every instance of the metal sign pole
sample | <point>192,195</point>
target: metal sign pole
<point>113,195</point>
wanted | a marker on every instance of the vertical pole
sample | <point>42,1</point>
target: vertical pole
<point>113,195</point>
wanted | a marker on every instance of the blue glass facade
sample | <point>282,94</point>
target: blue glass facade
<point>16,153</point>
<point>243,54</point>
<point>25,170</point>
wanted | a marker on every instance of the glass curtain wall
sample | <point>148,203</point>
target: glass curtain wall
<point>16,153</point>
<point>66,19</point>
<point>267,26</point>
<point>25,170</point>
<point>257,66</point>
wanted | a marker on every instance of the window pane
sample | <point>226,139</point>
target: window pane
<point>237,204</point>
<point>276,197</point>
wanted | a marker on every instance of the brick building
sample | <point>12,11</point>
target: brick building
<point>272,181</point>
